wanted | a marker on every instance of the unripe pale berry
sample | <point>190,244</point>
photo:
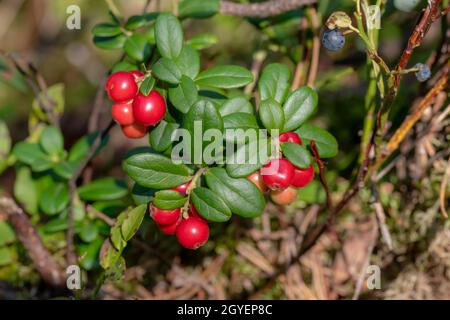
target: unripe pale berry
<point>284,197</point>
<point>135,131</point>
<point>333,40</point>
<point>258,181</point>
<point>424,72</point>
<point>149,110</point>
<point>290,137</point>
<point>303,177</point>
<point>278,174</point>
<point>164,217</point>
<point>192,233</point>
<point>122,113</point>
<point>121,86</point>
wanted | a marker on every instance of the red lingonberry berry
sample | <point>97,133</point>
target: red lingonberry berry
<point>302,177</point>
<point>122,113</point>
<point>135,131</point>
<point>284,197</point>
<point>258,181</point>
<point>192,233</point>
<point>194,213</point>
<point>164,217</point>
<point>290,137</point>
<point>182,188</point>
<point>278,174</point>
<point>149,110</point>
<point>170,229</point>
<point>121,86</point>
<point>137,73</point>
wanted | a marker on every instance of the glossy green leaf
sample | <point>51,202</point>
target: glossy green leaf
<point>248,158</point>
<point>80,149</point>
<point>169,199</point>
<point>32,154</point>
<point>142,195</point>
<point>147,86</point>
<point>188,61</point>
<point>239,120</point>
<point>238,104</point>
<point>169,35</point>
<point>299,107</point>
<point>109,43</point>
<point>54,199</point>
<point>52,141</point>
<point>198,8</point>
<point>226,77</point>
<point>137,47</point>
<point>202,41</point>
<point>274,82</point>
<point>184,95</point>
<point>167,70</point>
<point>156,171</point>
<point>133,221</point>
<point>106,30</point>
<point>326,143</point>
<point>240,195</point>
<point>296,154</point>
<point>66,169</point>
<point>210,206</point>
<point>103,189</point>
<point>271,114</point>
<point>88,232</point>
<point>160,137</point>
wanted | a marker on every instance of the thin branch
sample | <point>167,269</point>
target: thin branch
<point>71,255</point>
<point>262,10</point>
<point>322,177</point>
<point>44,262</point>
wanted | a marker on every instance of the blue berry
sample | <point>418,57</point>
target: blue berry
<point>333,40</point>
<point>424,72</point>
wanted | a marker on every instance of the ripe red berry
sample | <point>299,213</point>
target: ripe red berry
<point>192,233</point>
<point>121,86</point>
<point>182,188</point>
<point>278,174</point>
<point>284,197</point>
<point>258,181</point>
<point>290,137</point>
<point>164,217</point>
<point>171,228</point>
<point>135,131</point>
<point>122,113</point>
<point>194,213</point>
<point>302,177</point>
<point>149,110</point>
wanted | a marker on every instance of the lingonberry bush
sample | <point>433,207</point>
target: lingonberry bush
<point>223,141</point>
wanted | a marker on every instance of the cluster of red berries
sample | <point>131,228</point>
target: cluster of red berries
<point>134,111</point>
<point>192,231</point>
<point>282,177</point>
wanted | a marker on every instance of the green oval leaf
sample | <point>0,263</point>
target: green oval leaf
<point>54,199</point>
<point>25,190</point>
<point>184,95</point>
<point>106,30</point>
<point>240,195</point>
<point>248,158</point>
<point>141,195</point>
<point>225,77</point>
<point>80,149</point>
<point>156,171</point>
<point>66,169</point>
<point>299,107</point>
<point>160,137</point>
<point>147,86</point>
<point>239,120</point>
<point>202,41</point>
<point>238,104</point>
<point>103,189</point>
<point>51,140</point>
<point>169,35</point>
<point>166,70</point>
<point>132,221</point>
<point>5,143</point>
<point>326,144</point>
<point>274,82</point>
<point>137,47</point>
<point>116,42</point>
<point>169,199</point>
<point>271,114</point>
<point>210,206</point>
<point>188,61</point>
<point>198,8</point>
<point>205,112</point>
<point>296,154</point>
